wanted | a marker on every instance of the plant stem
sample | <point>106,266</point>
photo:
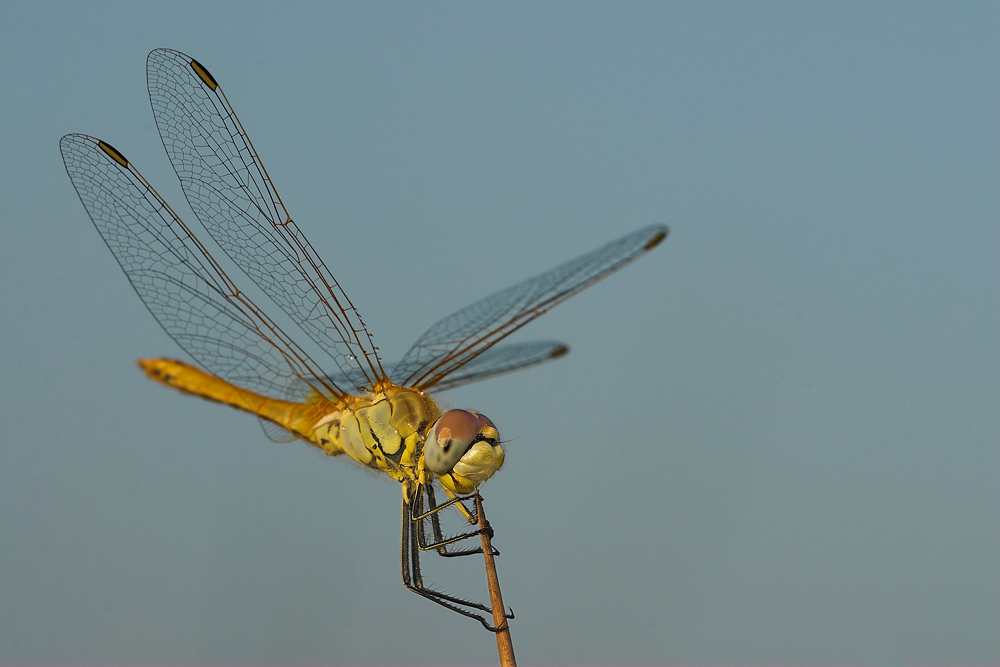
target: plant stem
<point>504,645</point>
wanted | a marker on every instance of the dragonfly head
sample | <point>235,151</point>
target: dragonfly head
<point>463,449</point>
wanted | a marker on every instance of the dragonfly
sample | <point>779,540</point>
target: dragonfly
<point>341,397</point>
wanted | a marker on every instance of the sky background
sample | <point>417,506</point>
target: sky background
<point>775,439</point>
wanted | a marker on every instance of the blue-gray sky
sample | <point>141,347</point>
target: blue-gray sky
<point>775,439</point>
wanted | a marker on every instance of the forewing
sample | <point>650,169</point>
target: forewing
<point>231,193</point>
<point>462,336</point>
<point>497,360</point>
<point>501,359</point>
<point>179,281</point>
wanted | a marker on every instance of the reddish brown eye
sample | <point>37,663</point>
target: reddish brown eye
<point>485,421</point>
<point>449,439</point>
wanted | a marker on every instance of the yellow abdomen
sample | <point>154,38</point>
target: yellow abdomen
<point>383,430</point>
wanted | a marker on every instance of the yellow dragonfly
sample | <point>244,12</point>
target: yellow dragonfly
<point>342,398</point>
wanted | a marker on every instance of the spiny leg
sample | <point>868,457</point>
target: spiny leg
<point>410,565</point>
<point>440,542</point>
<point>418,516</point>
<point>470,515</point>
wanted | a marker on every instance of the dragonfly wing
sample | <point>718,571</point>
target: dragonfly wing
<point>178,280</point>
<point>501,359</point>
<point>231,193</point>
<point>464,335</point>
<point>276,433</point>
<point>497,360</point>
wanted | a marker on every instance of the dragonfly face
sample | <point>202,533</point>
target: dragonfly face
<point>463,449</point>
<point>347,401</point>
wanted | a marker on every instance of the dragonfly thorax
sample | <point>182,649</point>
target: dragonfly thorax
<point>403,433</point>
<point>382,430</point>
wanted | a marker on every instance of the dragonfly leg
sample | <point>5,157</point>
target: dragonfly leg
<point>440,542</point>
<point>410,549</point>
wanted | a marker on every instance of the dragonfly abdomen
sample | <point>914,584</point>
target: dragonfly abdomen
<point>298,418</point>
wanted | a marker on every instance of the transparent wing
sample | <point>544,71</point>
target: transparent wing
<point>462,336</point>
<point>276,433</point>
<point>181,284</point>
<point>501,359</point>
<point>497,360</point>
<point>231,193</point>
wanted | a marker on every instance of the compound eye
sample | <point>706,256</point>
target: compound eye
<point>486,421</point>
<point>449,439</point>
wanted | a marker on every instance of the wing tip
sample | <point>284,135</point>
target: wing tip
<point>204,74</point>
<point>70,142</point>
<point>113,153</point>
<point>661,234</point>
